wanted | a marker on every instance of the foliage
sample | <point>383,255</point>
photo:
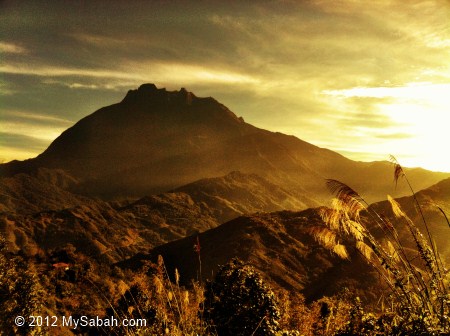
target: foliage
<point>20,293</point>
<point>418,281</point>
<point>167,307</point>
<point>238,302</point>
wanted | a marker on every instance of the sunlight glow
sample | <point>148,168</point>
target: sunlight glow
<point>419,110</point>
<point>41,132</point>
<point>9,154</point>
<point>142,73</point>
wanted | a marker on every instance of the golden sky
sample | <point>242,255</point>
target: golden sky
<point>364,78</point>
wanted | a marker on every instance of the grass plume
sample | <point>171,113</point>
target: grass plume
<point>419,286</point>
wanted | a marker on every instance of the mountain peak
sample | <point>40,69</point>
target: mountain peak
<point>156,140</point>
<point>150,87</point>
<point>149,93</point>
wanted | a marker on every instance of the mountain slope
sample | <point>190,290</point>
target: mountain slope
<point>45,190</point>
<point>238,194</point>
<point>429,200</point>
<point>156,140</point>
<point>279,245</point>
<point>107,233</point>
<point>38,215</point>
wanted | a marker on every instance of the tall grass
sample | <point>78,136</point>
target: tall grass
<point>169,308</point>
<point>418,281</point>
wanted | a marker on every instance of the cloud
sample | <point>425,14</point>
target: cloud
<point>45,133</point>
<point>395,136</point>
<point>32,119</point>
<point>368,121</point>
<point>34,128</point>
<point>158,72</point>
<point>410,91</point>
<point>11,48</point>
<point>330,73</point>
<point>334,46</point>
<point>53,71</point>
<point>20,141</point>
<point>5,88</point>
<point>363,155</point>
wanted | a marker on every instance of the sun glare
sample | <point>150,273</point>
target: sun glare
<point>420,112</point>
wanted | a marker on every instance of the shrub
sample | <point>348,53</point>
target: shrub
<point>238,302</point>
<point>20,293</point>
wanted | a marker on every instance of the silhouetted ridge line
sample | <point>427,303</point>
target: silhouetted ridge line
<point>156,140</point>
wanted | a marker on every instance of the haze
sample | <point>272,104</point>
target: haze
<point>365,79</point>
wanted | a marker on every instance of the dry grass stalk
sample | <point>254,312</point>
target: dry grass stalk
<point>421,294</point>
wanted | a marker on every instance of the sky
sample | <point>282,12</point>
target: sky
<point>363,78</point>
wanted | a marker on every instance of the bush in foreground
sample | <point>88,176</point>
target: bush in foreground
<point>238,302</point>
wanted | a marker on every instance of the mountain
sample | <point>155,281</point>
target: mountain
<point>156,140</point>
<point>37,214</point>
<point>162,171</point>
<point>430,200</point>
<point>105,232</point>
<point>44,190</point>
<point>279,245</point>
<point>237,194</point>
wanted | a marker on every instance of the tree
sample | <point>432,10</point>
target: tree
<point>238,302</point>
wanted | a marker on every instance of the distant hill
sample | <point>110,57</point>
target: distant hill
<point>104,232</point>
<point>44,190</point>
<point>279,245</point>
<point>238,194</point>
<point>429,200</point>
<point>156,140</point>
<point>36,214</point>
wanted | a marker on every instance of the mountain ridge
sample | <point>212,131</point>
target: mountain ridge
<point>156,140</point>
<point>278,244</point>
<point>38,215</point>
<point>281,246</point>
